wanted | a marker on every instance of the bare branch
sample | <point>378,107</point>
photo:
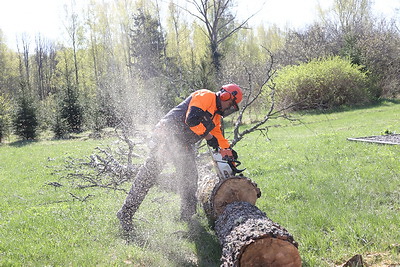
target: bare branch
<point>241,26</point>
<point>216,17</point>
<point>252,96</point>
<point>83,199</point>
<point>107,168</point>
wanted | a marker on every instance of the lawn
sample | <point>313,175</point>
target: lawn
<point>338,198</point>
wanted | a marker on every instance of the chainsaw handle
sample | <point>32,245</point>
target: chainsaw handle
<point>234,164</point>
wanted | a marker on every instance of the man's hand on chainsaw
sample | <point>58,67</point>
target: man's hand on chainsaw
<point>228,154</point>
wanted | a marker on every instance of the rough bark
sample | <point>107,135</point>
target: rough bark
<point>215,193</point>
<point>249,238</point>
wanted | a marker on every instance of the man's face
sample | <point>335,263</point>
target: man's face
<point>228,107</point>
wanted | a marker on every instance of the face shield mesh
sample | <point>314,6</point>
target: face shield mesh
<point>233,108</point>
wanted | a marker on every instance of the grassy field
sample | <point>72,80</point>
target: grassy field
<point>338,198</point>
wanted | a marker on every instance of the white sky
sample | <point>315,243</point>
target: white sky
<point>46,16</point>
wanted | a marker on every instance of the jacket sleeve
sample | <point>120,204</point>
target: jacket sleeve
<point>222,141</point>
<point>198,118</point>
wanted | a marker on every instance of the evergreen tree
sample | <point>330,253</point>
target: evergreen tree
<point>147,45</point>
<point>60,128</point>
<point>25,121</point>
<point>71,111</point>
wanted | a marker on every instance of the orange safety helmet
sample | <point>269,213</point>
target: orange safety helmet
<point>229,91</point>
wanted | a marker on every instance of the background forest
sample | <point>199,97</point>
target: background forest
<point>127,62</point>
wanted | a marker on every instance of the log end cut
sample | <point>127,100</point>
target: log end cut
<point>235,189</point>
<point>270,252</point>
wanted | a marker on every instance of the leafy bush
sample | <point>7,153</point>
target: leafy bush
<point>322,83</point>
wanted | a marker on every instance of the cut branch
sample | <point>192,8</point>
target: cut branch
<point>107,168</point>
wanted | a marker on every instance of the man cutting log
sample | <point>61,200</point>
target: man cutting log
<point>197,117</point>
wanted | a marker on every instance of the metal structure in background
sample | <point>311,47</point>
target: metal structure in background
<point>388,139</point>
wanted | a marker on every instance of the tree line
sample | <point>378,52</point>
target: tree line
<point>124,63</point>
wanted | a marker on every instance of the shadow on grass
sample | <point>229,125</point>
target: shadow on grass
<point>208,249</point>
<point>22,143</point>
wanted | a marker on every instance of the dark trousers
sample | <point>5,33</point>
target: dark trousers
<point>165,149</point>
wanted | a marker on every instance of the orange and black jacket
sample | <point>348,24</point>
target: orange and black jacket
<point>197,116</point>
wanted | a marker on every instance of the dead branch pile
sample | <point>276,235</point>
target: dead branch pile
<point>108,167</point>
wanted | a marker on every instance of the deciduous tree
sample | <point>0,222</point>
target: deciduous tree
<point>220,24</point>
<point>5,116</point>
<point>8,69</point>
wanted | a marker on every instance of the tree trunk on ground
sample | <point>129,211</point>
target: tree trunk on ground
<point>249,238</point>
<point>215,194</point>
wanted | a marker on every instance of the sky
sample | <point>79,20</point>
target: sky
<point>32,17</point>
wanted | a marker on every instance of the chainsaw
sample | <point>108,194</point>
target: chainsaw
<point>225,167</point>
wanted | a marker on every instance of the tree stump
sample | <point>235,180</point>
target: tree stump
<point>249,238</point>
<point>215,193</point>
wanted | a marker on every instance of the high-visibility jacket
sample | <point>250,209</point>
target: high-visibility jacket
<point>195,117</point>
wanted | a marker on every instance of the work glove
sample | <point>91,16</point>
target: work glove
<point>231,157</point>
<point>227,154</point>
<point>213,142</point>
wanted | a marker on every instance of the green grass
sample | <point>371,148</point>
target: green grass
<point>41,225</point>
<point>338,198</point>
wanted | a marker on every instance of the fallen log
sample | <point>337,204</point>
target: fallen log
<point>249,238</point>
<point>215,193</point>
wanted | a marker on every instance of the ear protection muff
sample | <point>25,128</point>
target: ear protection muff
<point>224,95</point>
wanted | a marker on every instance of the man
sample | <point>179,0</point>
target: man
<point>197,117</point>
